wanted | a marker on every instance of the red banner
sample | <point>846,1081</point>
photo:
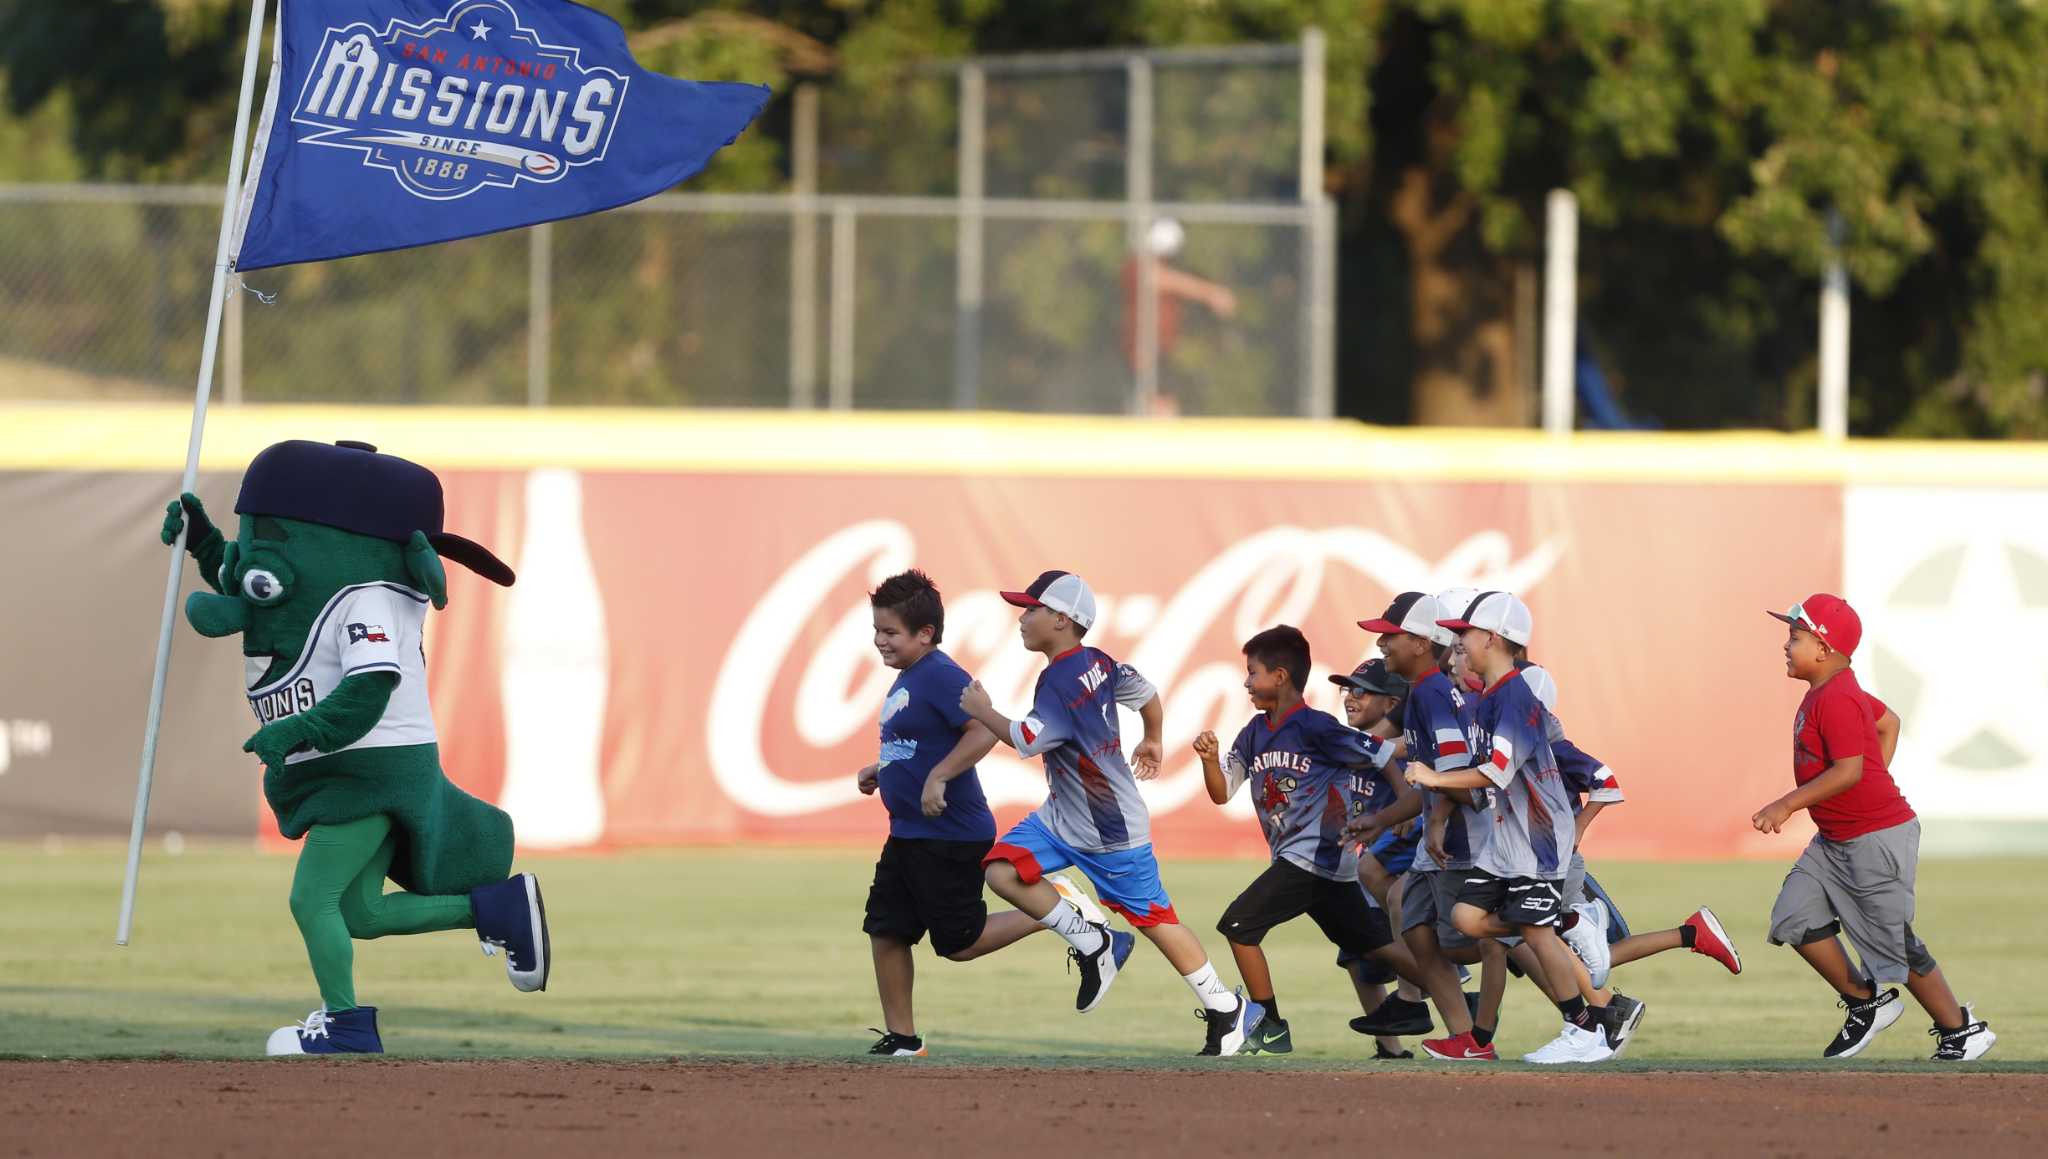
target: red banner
<point>687,656</point>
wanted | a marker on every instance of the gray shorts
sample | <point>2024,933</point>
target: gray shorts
<point>1862,887</point>
<point>1427,896</point>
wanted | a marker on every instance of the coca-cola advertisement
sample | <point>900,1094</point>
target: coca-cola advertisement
<point>688,657</point>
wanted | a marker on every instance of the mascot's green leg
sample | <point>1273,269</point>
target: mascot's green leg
<point>329,861</point>
<point>372,913</point>
<point>337,895</point>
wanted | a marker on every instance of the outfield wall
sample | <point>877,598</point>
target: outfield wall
<point>686,656</point>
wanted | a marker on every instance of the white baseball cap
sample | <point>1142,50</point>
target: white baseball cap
<point>1449,602</point>
<point>1497,612</point>
<point>1060,591</point>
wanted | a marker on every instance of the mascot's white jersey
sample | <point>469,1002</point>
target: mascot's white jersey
<point>375,627</point>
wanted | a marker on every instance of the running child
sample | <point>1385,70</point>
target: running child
<point>1311,776</point>
<point>1857,873</point>
<point>1371,696</point>
<point>1514,886</point>
<point>1093,817</point>
<point>1433,721</point>
<point>929,876</point>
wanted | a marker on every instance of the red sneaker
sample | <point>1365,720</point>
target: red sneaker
<point>1710,939</point>
<point>1459,1048</point>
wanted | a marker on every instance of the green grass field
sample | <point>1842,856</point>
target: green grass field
<point>738,953</point>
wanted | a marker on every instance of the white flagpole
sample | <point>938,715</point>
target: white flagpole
<point>236,156</point>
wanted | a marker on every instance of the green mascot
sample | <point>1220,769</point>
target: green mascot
<point>328,580</point>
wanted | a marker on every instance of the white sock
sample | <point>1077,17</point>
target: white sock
<point>1066,921</point>
<point>1210,989</point>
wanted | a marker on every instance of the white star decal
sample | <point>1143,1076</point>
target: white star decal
<point>479,30</point>
<point>1956,641</point>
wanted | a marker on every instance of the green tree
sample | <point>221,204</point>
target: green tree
<point>1718,149</point>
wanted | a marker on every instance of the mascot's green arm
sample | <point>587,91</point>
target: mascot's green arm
<point>206,544</point>
<point>343,717</point>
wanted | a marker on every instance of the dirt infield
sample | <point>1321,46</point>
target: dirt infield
<point>512,1109</point>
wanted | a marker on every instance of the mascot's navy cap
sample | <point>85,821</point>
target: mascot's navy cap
<point>350,486</point>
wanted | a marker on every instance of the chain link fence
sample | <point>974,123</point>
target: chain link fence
<point>1096,232</point>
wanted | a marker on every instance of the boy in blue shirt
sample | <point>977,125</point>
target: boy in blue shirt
<point>929,876</point>
<point>1093,817</point>
<point>1311,776</point>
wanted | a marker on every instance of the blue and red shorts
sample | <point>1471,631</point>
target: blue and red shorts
<point>1127,880</point>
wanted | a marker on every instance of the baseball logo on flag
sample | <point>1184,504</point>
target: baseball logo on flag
<point>398,123</point>
<point>474,98</point>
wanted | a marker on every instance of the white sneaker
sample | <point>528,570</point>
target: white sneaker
<point>1588,939</point>
<point>1228,1030</point>
<point>1066,888</point>
<point>1573,1044</point>
<point>290,1039</point>
<point>1965,1045</point>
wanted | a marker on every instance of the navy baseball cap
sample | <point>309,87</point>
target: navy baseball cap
<point>350,486</point>
<point>1374,677</point>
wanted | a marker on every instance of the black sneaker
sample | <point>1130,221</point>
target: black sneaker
<point>1099,969</point>
<point>1380,1053</point>
<point>897,1045</point>
<point>1866,1021</point>
<point>1230,1030</point>
<point>1395,1017</point>
<point>1619,1019</point>
<point>1965,1044</point>
<point>1271,1036</point>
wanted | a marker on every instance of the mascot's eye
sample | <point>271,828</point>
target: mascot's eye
<point>262,587</point>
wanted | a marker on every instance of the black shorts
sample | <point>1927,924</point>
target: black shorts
<point>927,884</point>
<point>1286,891</point>
<point>1518,901</point>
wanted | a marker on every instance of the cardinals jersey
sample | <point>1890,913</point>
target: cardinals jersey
<point>1309,775</point>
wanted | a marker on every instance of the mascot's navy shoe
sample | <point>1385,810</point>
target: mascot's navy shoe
<point>346,1032</point>
<point>509,916</point>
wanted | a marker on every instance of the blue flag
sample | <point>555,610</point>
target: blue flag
<point>394,123</point>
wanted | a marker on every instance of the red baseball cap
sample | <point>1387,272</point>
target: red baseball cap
<point>1829,617</point>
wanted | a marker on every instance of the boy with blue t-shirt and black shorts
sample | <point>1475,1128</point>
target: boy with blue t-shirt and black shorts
<point>929,877</point>
<point>1094,818</point>
<point>1310,777</point>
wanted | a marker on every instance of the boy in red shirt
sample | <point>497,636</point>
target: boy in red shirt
<point>1856,875</point>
